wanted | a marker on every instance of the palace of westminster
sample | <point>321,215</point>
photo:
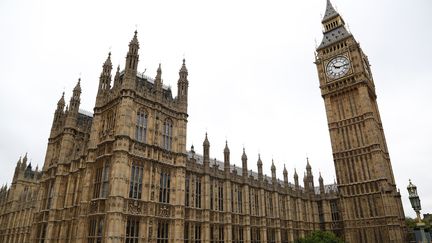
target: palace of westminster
<point>123,173</point>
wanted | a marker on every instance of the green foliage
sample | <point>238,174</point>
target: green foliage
<point>320,237</point>
<point>412,223</point>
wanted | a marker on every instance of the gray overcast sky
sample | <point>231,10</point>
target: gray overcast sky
<point>251,72</point>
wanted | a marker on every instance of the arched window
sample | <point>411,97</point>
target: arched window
<point>167,135</point>
<point>141,126</point>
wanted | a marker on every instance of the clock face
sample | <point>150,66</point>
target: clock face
<point>338,67</point>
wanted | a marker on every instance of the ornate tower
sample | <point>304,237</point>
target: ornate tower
<point>372,209</point>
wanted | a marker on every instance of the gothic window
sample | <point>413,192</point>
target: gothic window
<point>271,236</point>
<point>73,190</point>
<point>164,188</point>
<point>256,203</point>
<point>255,235</point>
<point>220,197</point>
<point>269,204</point>
<point>135,186</point>
<point>212,234</point>
<point>141,127</point>
<point>197,231</point>
<point>186,232</point>
<point>49,195</point>
<point>232,198</point>
<point>334,210</point>
<point>284,235</point>
<point>216,233</point>
<point>41,232</point>
<point>110,120</point>
<point>167,134</point>
<point>162,232</point>
<point>281,207</point>
<point>187,182</point>
<point>211,196</point>
<point>237,234</point>
<point>96,226</point>
<point>198,192</point>
<point>239,200</point>
<point>321,215</point>
<point>101,180</point>
<point>221,234</point>
<point>132,230</point>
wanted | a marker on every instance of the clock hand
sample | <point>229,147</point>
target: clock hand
<point>340,65</point>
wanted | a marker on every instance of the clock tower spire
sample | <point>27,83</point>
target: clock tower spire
<point>371,205</point>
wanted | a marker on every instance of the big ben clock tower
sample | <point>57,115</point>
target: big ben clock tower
<point>371,205</point>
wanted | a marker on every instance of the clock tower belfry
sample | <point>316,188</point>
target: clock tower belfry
<point>371,205</point>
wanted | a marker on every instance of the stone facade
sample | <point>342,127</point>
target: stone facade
<point>124,174</point>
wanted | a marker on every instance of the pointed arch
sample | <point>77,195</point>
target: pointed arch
<point>141,126</point>
<point>167,134</point>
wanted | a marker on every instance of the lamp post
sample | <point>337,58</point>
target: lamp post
<point>415,203</point>
<point>414,199</point>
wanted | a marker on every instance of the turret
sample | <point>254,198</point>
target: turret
<point>296,181</point>
<point>158,82</point>
<point>24,162</point>
<point>58,114</point>
<point>105,76</point>
<point>244,164</point>
<point>131,63</point>
<point>321,184</point>
<point>260,170</point>
<point>273,172</point>
<point>285,175</point>
<point>75,99</point>
<point>305,184</point>
<point>308,167</point>
<point>226,158</point>
<point>206,154</point>
<point>182,85</point>
<point>17,169</point>
<point>117,83</point>
<point>60,104</point>
<point>309,182</point>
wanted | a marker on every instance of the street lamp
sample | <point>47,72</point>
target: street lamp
<point>414,199</point>
<point>415,203</point>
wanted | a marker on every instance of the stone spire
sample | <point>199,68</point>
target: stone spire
<point>285,175</point>
<point>321,184</point>
<point>131,63</point>
<point>244,164</point>
<point>75,99</point>
<point>183,85</point>
<point>158,81</point>
<point>24,162</point>
<point>260,170</point>
<point>18,162</point>
<point>58,114</point>
<point>206,154</point>
<point>308,168</point>
<point>61,103</point>
<point>330,11</point>
<point>273,171</point>
<point>308,179</point>
<point>296,182</point>
<point>105,76</point>
<point>226,158</point>
<point>117,78</point>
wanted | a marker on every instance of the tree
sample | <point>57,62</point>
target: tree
<point>320,237</point>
